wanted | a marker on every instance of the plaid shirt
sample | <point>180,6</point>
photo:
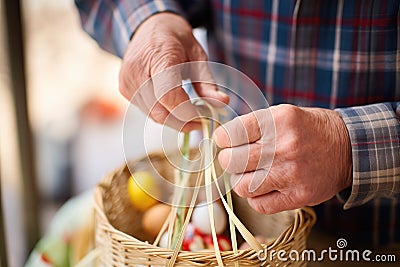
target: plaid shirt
<point>342,54</point>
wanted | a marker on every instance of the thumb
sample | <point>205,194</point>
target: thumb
<point>205,85</point>
<point>241,130</point>
<point>211,94</point>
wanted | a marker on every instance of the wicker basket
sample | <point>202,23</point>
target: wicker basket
<point>119,236</point>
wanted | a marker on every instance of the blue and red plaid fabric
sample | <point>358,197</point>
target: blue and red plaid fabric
<point>338,54</point>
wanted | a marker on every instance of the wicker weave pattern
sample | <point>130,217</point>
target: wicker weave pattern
<point>120,238</point>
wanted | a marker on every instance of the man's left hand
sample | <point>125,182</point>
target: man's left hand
<point>286,157</point>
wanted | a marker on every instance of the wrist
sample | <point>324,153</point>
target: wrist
<point>345,151</point>
<point>337,138</point>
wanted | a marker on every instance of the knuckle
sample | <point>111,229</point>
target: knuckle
<point>286,113</point>
<point>166,58</point>
<point>156,55</point>
<point>159,115</point>
<point>287,150</point>
<point>254,155</point>
<point>221,137</point>
<point>224,158</point>
<point>241,188</point>
<point>304,194</point>
<point>292,144</point>
<point>130,78</point>
<point>289,142</point>
<point>257,206</point>
<point>289,110</point>
<point>124,91</point>
<point>199,53</point>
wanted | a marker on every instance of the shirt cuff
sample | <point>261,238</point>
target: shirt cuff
<point>374,132</point>
<point>139,14</point>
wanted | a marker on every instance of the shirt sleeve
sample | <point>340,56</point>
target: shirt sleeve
<point>112,22</point>
<point>374,132</point>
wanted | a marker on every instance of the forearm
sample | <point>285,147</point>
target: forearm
<point>374,132</point>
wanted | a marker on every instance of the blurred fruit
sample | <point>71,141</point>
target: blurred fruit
<point>143,190</point>
<point>201,218</point>
<point>154,218</point>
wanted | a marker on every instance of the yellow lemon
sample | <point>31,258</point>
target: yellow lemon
<point>143,190</point>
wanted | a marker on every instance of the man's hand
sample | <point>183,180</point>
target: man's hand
<point>162,41</point>
<point>286,157</point>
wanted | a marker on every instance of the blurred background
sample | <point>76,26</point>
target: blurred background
<point>75,112</point>
<point>72,120</point>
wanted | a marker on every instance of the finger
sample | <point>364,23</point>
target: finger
<point>161,115</point>
<point>273,202</point>
<point>210,93</point>
<point>178,103</point>
<point>246,158</point>
<point>242,182</point>
<point>168,91</point>
<point>242,130</point>
<point>205,85</point>
<point>145,100</point>
<point>129,87</point>
<point>202,78</point>
<point>138,101</point>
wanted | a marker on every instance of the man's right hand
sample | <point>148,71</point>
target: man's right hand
<point>162,41</point>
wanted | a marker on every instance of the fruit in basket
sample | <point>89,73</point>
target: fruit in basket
<point>201,218</point>
<point>154,218</point>
<point>143,190</point>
